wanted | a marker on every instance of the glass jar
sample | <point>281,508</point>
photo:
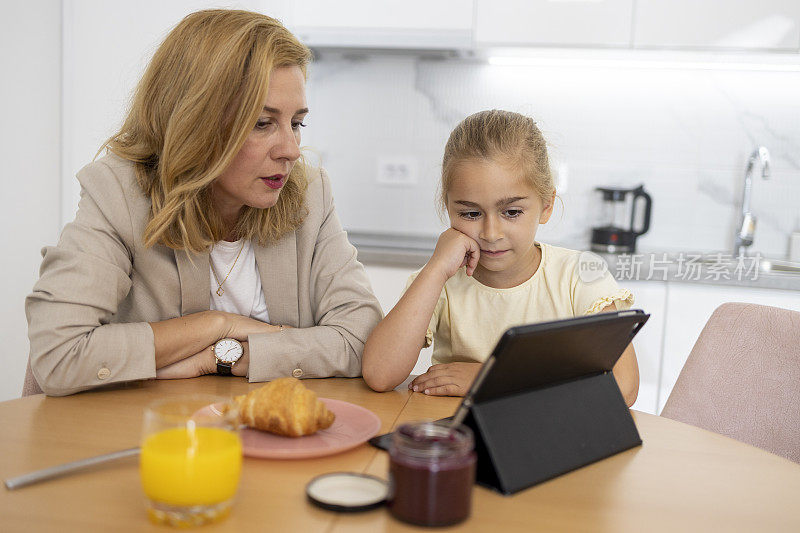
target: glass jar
<point>431,473</point>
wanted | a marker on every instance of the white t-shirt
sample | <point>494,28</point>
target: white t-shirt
<point>242,289</point>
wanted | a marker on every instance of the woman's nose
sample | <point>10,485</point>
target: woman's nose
<point>287,145</point>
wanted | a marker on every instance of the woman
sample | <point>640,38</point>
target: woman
<point>203,228</point>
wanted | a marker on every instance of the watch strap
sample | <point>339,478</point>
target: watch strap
<point>224,369</point>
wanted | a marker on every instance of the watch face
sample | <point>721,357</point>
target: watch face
<point>228,350</point>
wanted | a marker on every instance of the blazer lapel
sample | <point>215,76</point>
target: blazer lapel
<point>277,266</point>
<point>195,279</point>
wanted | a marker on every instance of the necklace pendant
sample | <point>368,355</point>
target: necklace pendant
<point>220,291</point>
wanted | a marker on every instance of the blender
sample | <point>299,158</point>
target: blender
<point>620,212</point>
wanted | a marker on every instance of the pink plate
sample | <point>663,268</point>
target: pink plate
<point>353,425</point>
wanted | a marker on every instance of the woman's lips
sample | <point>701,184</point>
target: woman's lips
<point>493,253</point>
<point>274,182</point>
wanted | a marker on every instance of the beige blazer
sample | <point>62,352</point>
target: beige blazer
<point>99,287</point>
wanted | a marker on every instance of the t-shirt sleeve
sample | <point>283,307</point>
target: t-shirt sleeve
<point>437,311</point>
<point>594,296</point>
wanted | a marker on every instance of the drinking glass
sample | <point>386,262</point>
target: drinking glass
<point>191,460</point>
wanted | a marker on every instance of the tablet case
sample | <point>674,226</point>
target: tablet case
<point>567,413</point>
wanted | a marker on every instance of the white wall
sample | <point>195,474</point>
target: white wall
<point>30,148</point>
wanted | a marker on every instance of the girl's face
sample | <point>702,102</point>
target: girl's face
<point>258,172</point>
<point>492,204</point>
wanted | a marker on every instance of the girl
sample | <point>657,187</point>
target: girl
<point>488,272</point>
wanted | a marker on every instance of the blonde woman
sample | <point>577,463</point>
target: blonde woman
<point>203,243</point>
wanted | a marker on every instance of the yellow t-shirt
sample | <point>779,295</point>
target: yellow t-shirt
<point>470,317</point>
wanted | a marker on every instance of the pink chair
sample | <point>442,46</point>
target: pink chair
<point>742,378</point>
<point>30,386</point>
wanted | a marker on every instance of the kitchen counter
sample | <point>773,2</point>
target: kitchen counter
<point>710,268</point>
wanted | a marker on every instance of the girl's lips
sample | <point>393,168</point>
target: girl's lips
<point>495,253</point>
<point>274,182</point>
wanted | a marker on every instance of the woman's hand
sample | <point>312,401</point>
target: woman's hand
<point>451,379</point>
<point>239,327</point>
<point>203,363</point>
<point>454,250</point>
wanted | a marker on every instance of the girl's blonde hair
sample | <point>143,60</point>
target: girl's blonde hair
<point>198,100</point>
<point>503,136</point>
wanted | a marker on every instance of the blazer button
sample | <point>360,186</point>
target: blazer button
<point>103,373</point>
<point>297,372</point>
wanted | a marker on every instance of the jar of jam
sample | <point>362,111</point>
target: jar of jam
<point>431,473</point>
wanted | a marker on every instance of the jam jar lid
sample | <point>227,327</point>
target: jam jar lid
<point>347,491</point>
<point>432,440</point>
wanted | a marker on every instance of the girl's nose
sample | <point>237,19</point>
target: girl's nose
<point>490,230</point>
<point>287,145</point>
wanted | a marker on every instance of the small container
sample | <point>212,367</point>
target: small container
<point>431,473</point>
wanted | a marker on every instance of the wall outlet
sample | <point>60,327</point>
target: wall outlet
<point>397,170</point>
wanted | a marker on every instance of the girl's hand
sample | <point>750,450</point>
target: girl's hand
<point>451,379</point>
<point>454,250</point>
<point>203,363</point>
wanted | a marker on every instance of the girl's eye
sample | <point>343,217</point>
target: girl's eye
<point>470,215</point>
<point>513,213</point>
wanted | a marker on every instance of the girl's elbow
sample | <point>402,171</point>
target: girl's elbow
<point>373,376</point>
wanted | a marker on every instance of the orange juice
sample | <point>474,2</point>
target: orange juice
<point>189,466</point>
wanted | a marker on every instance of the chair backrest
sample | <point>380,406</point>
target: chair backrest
<point>742,378</point>
<point>30,386</point>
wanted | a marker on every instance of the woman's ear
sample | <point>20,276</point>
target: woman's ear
<point>547,212</point>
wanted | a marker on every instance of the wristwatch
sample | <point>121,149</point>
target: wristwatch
<point>227,352</point>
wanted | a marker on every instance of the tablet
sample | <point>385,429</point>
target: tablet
<point>543,354</point>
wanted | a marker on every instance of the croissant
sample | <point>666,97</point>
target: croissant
<point>284,407</point>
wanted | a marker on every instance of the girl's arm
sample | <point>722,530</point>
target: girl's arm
<point>393,346</point>
<point>626,371</point>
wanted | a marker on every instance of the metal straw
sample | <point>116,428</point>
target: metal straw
<point>66,468</point>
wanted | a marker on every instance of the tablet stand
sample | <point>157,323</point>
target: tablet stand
<point>530,437</point>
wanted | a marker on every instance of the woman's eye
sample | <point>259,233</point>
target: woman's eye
<point>470,215</point>
<point>263,124</point>
<point>298,125</point>
<point>513,213</point>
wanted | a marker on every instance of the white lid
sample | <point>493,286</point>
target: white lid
<point>347,491</point>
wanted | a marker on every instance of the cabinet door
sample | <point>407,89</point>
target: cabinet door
<point>650,296</point>
<point>385,24</point>
<point>719,24</point>
<point>689,306</point>
<point>543,22</point>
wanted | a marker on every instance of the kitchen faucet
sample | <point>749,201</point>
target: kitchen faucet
<point>744,237</point>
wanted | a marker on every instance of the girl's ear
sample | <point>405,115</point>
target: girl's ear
<point>547,212</point>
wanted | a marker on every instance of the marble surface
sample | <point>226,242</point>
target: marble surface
<point>684,134</point>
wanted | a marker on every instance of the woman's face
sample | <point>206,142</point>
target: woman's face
<point>258,172</point>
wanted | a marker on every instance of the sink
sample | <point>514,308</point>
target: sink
<point>779,266</point>
<point>765,265</point>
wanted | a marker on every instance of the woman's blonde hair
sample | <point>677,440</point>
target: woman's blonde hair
<point>503,136</point>
<point>199,98</point>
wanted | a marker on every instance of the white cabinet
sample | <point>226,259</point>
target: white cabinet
<point>717,24</point>
<point>544,22</point>
<point>385,24</point>
<point>650,296</point>
<point>689,306</point>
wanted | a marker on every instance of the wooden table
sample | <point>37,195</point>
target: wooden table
<point>682,478</point>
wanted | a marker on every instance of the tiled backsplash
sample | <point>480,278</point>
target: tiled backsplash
<point>685,134</point>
